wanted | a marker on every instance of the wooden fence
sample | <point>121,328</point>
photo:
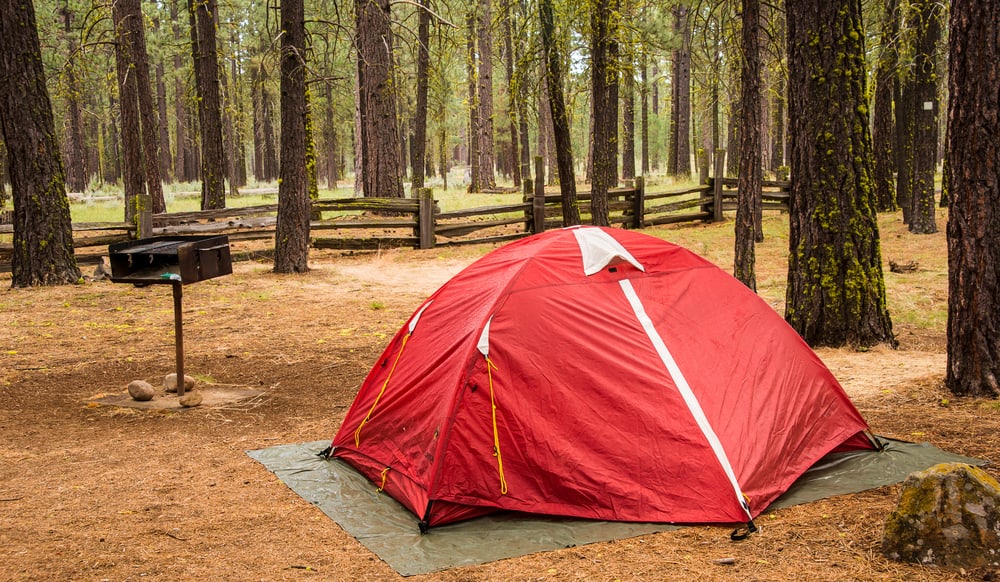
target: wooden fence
<point>374,223</point>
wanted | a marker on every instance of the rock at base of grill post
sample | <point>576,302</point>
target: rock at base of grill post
<point>191,399</point>
<point>141,390</point>
<point>170,383</point>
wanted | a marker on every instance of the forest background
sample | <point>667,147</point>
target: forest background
<point>678,62</point>
<point>803,74</point>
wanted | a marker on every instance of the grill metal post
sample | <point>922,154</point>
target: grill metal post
<point>179,335</point>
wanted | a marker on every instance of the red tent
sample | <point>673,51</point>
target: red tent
<point>595,373</point>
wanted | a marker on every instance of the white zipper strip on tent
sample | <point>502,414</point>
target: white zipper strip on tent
<point>685,389</point>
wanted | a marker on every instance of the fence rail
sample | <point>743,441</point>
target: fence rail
<point>374,223</point>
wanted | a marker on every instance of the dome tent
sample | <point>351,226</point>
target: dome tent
<point>596,373</point>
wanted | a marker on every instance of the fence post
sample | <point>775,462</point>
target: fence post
<point>538,201</point>
<point>425,218</point>
<point>639,203</point>
<point>720,172</point>
<point>703,158</point>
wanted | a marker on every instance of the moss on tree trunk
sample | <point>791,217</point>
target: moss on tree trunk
<point>836,291</point>
<point>43,236</point>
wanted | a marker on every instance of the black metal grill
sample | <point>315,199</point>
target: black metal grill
<point>177,260</point>
<point>169,259</point>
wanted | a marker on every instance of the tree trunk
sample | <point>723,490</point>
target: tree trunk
<point>644,112</point>
<point>204,18</point>
<point>750,176</point>
<point>484,45</point>
<point>778,131</point>
<point>883,123</point>
<point>522,73</point>
<point>974,196</point>
<point>379,145</point>
<point>682,105</point>
<point>925,116</point>
<point>147,112</point>
<point>182,167</point>
<point>419,158</point>
<point>475,184</point>
<point>512,98</point>
<point>229,155</point>
<point>332,147</point>
<point>110,132</point>
<point>836,291</point>
<point>43,234</point>
<point>291,236</point>
<point>628,124</point>
<point>560,124</point>
<point>131,126</point>
<point>604,110</point>
<point>546,147</point>
<point>76,160</point>
<point>905,124</point>
<point>238,115</point>
<point>166,173</point>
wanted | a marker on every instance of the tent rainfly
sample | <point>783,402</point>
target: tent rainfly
<point>595,373</point>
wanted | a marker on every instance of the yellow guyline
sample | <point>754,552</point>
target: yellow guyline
<point>490,366</point>
<point>357,433</point>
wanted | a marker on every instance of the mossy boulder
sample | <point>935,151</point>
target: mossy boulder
<point>948,515</point>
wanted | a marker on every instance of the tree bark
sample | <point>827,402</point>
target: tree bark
<point>883,122</point>
<point>43,234</point>
<point>166,172</point>
<point>778,131</point>
<point>332,165</point>
<point>750,176</point>
<point>291,237</point>
<point>512,90</point>
<point>905,107</point>
<point>131,127</point>
<point>604,110</point>
<point>204,18</point>
<point>182,158</point>
<point>475,184</point>
<point>76,160</point>
<point>419,158</point>
<point>379,145</point>
<point>560,124</point>
<point>925,116</point>
<point>484,90</point>
<point>836,291</point>
<point>681,130</point>
<point>628,123</point>
<point>644,112</point>
<point>135,41</point>
<point>522,73</point>
<point>973,155</point>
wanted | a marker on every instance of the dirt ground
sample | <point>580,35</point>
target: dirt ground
<point>106,493</point>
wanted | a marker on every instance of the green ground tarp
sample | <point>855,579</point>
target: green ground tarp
<point>390,531</point>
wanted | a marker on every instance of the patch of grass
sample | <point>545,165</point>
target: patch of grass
<point>376,305</point>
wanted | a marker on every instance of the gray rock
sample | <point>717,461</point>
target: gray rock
<point>948,515</point>
<point>170,383</point>
<point>190,399</point>
<point>141,390</point>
